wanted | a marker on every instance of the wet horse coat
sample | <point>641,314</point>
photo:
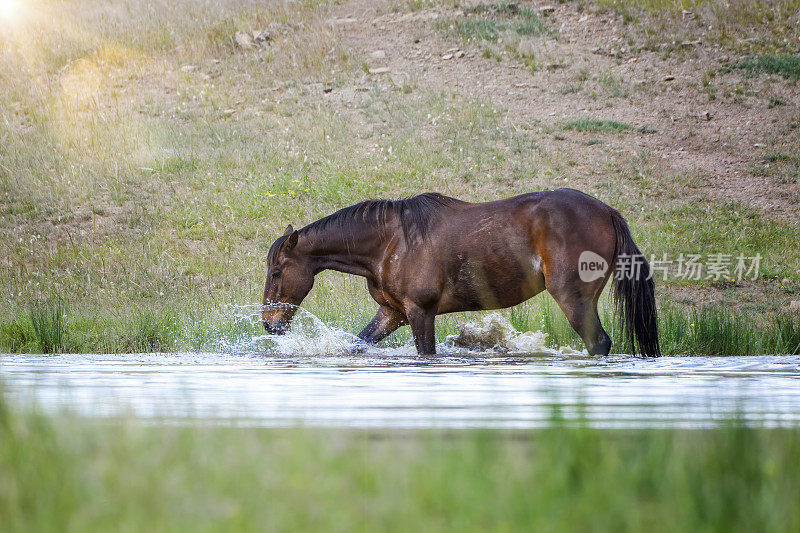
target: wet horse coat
<point>432,254</point>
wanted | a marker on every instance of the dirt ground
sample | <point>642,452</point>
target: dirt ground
<point>718,141</point>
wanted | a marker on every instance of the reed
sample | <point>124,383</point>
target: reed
<point>48,326</point>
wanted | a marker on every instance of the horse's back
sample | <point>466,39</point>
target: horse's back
<point>498,254</point>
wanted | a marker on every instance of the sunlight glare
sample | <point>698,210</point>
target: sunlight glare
<point>9,9</point>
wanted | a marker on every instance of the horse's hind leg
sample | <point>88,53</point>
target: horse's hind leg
<point>423,328</point>
<point>386,320</point>
<point>580,307</point>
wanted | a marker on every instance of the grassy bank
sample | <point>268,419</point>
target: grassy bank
<point>51,328</point>
<point>71,474</point>
<point>147,163</point>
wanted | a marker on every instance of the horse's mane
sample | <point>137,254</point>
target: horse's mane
<point>417,214</point>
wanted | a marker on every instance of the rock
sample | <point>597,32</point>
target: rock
<point>262,38</point>
<point>377,54</point>
<point>668,78</point>
<point>794,306</point>
<point>379,70</point>
<point>547,10</point>
<point>460,53</point>
<point>447,56</point>
<point>705,115</point>
<point>243,40</point>
<point>342,21</point>
<point>228,112</point>
<point>189,68</point>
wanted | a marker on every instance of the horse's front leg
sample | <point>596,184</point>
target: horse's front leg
<point>386,320</point>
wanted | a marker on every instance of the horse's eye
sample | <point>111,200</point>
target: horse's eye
<point>276,274</point>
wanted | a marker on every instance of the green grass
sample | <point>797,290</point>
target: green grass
<point>48,327</point>
<point>73,474</point>
<point>707,330</point>
<point>530,23</point>
<point>741,26</point>
<point>787,66</point>
<point>486,22</point>
<point>129,195</point>
<point>597,125</point>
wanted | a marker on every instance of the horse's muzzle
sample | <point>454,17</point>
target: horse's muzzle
<point>276,329</point>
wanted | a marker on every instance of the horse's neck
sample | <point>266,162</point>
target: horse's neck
<point>352,252</point>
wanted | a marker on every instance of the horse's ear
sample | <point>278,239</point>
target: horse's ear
<point>289,230</point>
<point>291,242</point>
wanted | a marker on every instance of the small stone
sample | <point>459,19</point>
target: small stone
<point>342,21</point>
<point>452,50</point>
<point>243,39</point>
<point>326,90</point>
<point>460,54</point>
<point>262,38</point>
<point>447,56</point>
<point>669,78</point>
<point>794,306</point>
<point>705,115</point>
<point>547,10</point>
<point>378,54</point>
<point>228,112</point>
<point>379,70</point>
<point>189,68</point>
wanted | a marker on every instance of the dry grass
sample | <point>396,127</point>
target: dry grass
<point>147,163</point>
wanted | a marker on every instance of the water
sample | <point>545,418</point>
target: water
<point>487,376</point>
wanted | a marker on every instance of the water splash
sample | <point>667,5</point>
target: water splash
<point>308,335</point>
<point>495,332</point>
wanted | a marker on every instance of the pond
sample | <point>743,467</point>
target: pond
<point>397,389</point>
<point>488,375</point>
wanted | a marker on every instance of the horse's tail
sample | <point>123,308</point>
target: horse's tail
<point>634,292</point>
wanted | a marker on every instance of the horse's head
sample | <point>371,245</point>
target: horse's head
<point>289,279</point>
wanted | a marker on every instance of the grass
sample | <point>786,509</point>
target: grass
<point>485,22</point>
<point>133,196</point>
<point>82,475</point>
<point>787,66</point>
<point>597,125</point>
<point>742,26</point>
<point>48,327</point>
<point>702,330</point>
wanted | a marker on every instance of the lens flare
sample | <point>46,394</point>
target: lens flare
<point>9,9</point>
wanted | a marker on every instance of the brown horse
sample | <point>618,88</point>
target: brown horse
<point>432,254</point>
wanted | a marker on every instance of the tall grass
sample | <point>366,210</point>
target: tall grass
<point>72,474</point>
<point>48,327</point>
<point>707,330</point>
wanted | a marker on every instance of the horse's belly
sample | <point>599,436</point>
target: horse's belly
<point>492,284</point>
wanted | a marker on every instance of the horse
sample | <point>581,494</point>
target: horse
<point>431,254</point>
